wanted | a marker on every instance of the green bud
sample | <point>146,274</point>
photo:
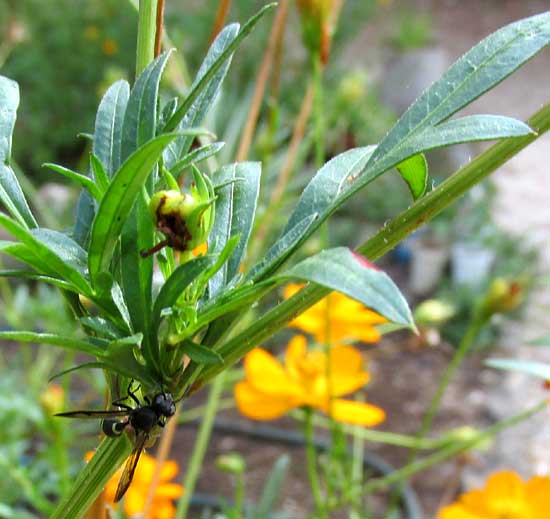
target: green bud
<point>233,463</point>
<point>433,312</point>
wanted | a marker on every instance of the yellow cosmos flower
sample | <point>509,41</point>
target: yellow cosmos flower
<point>349,319</point>
<point>136,495</point>
<point>271,389</point>
<point>505,496</point>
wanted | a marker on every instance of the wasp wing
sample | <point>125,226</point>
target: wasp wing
<point>131,464</point>
<point>111,413</point>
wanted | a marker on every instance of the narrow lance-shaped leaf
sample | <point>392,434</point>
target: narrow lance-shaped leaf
<point>235,209</point>
<point>118,201</point>
<point>140,117</point>
<point>196,156</point>
<point>108,126</point>
<point>69,343</point>
<point>198,102</point>
<point>536,369</point>
<point>211,74</point>
<point>57,254</point>
<point>200,354</point>
<point>480,69</point>
<point>342,270</point>
<point>83,180</point>
<point>174,286</point>
<point>414,172</point>
<point>11,194</point>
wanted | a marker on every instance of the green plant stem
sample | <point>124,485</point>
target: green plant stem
<point>147,28</point>
<point>201,444</point>
<point>472,331</point>
<point>311,459</point>
<point>239,495</point>
<point>386,239</point>
<point>474,327</point>
<point>388,438</point>
<point>92,479</point>
<point>452,450</point>
<point>319,117</point>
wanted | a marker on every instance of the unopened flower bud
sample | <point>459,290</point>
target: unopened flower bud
<point>503,296</point>
<point>433,312</point>
<point>316,26</point>
<point>186,218</point>
<point>233,463</point>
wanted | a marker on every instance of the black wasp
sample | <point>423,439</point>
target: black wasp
<point>141,419</point>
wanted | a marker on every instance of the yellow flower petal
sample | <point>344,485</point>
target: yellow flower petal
<point>169,491</point>
<point>262,406</point>
<point>296,351</point>
<point>457,511</point>
<point>537,490</point>
<point>266,374</point>
<point>163,510</point>
<point>354,412</point>
<point>169,470</point>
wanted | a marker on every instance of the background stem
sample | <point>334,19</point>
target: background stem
<point>147,28</point>
<point>201,444</point>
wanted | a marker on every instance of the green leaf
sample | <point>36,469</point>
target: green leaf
<point>466,129</point>
<point>327,184</point>
<point>273,488</point>
<point>196,156</point>
<point>537,369</point>
<point>137,272</point>
<point>85,214</point>
<point>200,354</point>
<point>140,117</point>
<point>174,286</point>
<point>229,301</point>
<point>108,126</point>
<point>56,253</point>
<point>83,180</point>
<point>100,175</point>
<point>281,250</point>
<point>342,270</point>
<point>86,365</point>
<point>11,193</point>
<point>120,356</point>
<point>118,200</point>
<point>118,298</point>
<point>69,343</point>
<point>209,78</point>
<point>101,327</point>
<point>202,94</point>
<point>414,172</point>
<point>235,209</point>
<point>29,274</point>
<point>93,477</point>
<point>480,69</point>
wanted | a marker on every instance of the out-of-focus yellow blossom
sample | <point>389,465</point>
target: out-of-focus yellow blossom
<point>136,495</point>
<point>52,399</point>
<point>271,389</point>
<point>349,319</point>
<point>505,496</point>
<point>109,47</point>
